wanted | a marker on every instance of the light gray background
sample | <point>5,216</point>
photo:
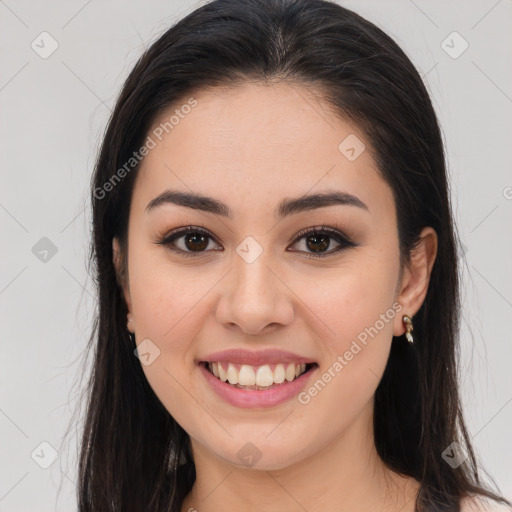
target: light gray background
<point>53,112</point>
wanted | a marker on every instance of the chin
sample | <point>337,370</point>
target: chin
<point>260,458</point>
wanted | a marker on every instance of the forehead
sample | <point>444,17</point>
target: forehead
<point>260,141</point>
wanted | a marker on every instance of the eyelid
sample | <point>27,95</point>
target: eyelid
<point>335,232</point>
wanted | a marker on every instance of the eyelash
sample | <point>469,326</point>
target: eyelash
<point>344,241</point>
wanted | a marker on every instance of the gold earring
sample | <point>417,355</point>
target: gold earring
<point>408,321</point>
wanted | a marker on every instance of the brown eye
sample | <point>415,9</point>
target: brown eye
<point>196,241</point>
<point>318,243</point>
<point>193,241</point>
<point>318,240</point>
<point>190,241</point>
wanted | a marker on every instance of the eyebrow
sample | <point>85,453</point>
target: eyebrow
<point>285,207</point>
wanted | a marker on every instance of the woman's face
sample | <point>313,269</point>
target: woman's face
<point>249,285</point>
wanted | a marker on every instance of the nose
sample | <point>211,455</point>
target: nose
<point>254,298</point>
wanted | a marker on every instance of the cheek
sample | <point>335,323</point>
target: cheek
<point>166,313</point>
<point>356,346</point>
<point>356,309</point>
<point>165,298</point>
<point>351,303</point>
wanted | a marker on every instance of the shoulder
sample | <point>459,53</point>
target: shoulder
<point>482,504</point>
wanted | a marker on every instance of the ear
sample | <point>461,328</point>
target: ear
<point>120,264</point>
<point>416,277</point>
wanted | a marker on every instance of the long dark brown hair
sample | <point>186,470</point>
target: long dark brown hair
<point>130,441</point>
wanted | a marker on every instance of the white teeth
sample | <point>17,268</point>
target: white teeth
<point>264,376</point>
<point>223,376</point>
<point>232,374</point>
<point>261,376</point>
<point>290,372</point>
<point>279,374</point>
<point>247,376</point>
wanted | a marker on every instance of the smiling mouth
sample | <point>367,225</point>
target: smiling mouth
<point>257,378</point>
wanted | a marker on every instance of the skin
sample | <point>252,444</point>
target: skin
<point>250,148</point>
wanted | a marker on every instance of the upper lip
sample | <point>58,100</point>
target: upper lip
<point>256,358</point>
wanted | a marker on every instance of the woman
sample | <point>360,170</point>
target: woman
<point>277,276</point>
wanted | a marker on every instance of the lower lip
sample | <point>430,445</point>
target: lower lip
<point>248,398</point>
